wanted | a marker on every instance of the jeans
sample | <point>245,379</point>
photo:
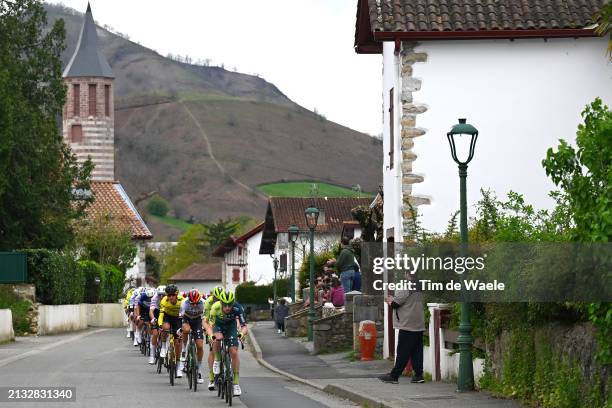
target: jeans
<point>409,347</point>
<point>346,278</point>
<point>280,326</point>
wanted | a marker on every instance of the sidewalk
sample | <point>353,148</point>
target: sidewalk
<point>357,380</point>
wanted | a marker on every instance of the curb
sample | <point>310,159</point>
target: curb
<point>332,389</point>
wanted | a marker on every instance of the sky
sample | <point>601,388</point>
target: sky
<point>304,47</point>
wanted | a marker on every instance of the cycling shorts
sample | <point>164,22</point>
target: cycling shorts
<point>229,331</point>
<point>175,323</point>
<point>196,327</point>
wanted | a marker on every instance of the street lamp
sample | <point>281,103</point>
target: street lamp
<point>275,263</point>
<point>465,381</point>
<point>312,217</point>
<point>293,231</point>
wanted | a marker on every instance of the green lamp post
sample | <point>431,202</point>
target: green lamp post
<point>312,218</point>
<point>465,381</point>
<point>293,231</point>
<point>275,264</point>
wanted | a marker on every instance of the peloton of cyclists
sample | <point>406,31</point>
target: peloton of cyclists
<point>191,312</point>
<point>169,321</point>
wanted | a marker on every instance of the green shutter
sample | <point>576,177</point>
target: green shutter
<point>13,267</point>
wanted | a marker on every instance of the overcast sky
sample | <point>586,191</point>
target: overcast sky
<point>304,47</point>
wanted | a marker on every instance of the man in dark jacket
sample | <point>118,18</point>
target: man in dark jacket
<point>345,265</point>
<point>281,311</point>
<point>409,319</point>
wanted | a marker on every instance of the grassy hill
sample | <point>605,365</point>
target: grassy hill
<point>205,137</point>
<point>304,189</point>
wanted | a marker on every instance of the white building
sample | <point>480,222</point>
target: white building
<point>521,75</point>
<point>282,212</point>
<point>203,277</point>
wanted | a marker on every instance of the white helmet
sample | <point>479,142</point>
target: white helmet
<point>149,292</point>
<point>161,289</point>
<point>140,290</point>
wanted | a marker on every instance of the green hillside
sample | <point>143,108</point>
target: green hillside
<point>305,189</point>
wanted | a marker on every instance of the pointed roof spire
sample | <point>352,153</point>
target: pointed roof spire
<point>87,60</point>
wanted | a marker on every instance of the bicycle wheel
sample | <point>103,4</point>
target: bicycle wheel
<point>160,361</point>
<point>194,367</point>
<point>188,364</point>
<point>229,393</point>
<point>171,363</point>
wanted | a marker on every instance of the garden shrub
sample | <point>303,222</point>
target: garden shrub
<point>58,278</point>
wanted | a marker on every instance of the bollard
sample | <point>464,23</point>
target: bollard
<point>367,339</point>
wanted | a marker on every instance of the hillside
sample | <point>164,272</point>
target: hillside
<point>205,137</point>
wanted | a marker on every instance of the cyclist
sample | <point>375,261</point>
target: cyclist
<point>210,300</point>
<point>141,310</point>
<point>127,310</point>
<point>225,317</point>
<point>169,307</point>
<point>154,315</point>
<point>131,305</point>
<point>191,312</point>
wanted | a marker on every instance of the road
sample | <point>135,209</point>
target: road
<point>108,371</point>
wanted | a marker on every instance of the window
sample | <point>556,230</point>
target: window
<point>76,134</point>
<point>283,263</point>
<point>107,100</point>
<point>76,100</point>
<point>235,275</point>
<point>244,276</point>
<point>391,126</point>
<point>92,99</point>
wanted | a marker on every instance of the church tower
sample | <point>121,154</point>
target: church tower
<point>88,120</point>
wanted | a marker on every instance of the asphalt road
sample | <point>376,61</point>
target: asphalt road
<point>108,371</point>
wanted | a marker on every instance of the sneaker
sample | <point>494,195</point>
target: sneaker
<point>182,356</point>
<point>136,342</point>
<point>179,374</point>
<point>278,331</point>
<point>181,367</point>
<point>216,367</point>
<point>388,379</point>
<point>163,352</point>
<point>417,379</point>
<point>128,334</point>
<point>237,390</point>
<point>200,379</point>
<point>211,386</point>
<point>151,359</point>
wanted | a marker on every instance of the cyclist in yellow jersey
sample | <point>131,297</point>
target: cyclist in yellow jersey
<point>169,320</point>
<point>210,300</point>
<point>126,303</point>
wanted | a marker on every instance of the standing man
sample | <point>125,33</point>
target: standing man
<point>409,319</point>
<point>345,265</point>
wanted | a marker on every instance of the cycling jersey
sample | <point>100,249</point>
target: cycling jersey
<point>210,300</point>
<point>131,302</point>
<point>218,318</point>
<point>143,301</point>
<point>190,310</point>
<point>128,295</point>
<point>168,308</point>
<point>155,301</point>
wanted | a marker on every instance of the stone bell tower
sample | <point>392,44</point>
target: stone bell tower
<point>88,120</point>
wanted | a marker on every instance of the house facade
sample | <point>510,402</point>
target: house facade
<point>88,128</point>
<point>520,73</point>
<point>334,217</point>
<point>203,277</point>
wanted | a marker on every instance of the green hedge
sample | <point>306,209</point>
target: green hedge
<point>57,276</point>
<point>19,308</point>
<point>249,294</point>
<point>109,289</point>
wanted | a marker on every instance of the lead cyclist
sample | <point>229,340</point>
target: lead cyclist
<point>225,317</point>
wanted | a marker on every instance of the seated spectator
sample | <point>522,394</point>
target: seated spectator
<point>337,293</point>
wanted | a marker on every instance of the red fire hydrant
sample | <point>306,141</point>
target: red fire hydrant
<point>367,339</point>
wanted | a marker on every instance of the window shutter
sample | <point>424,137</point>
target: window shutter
<point>107,100</point>
<point>77,134</point>
<point>92,100</point>
<point>76,100</point>
<point>391,127</point>
<point>236,275</point>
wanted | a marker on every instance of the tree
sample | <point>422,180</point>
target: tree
<point>105,242</point>
<point>153,266</point>
<point>158,206</point>
<point>42,188</point>
<point>218,232</point>
<point>191,248</point>
<point>604,19</point>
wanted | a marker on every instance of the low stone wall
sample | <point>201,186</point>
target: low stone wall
<point>105,315</point>
<point>333,333</point>
<point>296,325</point>
<point>61,318</point>
<point>368,307</point>
<point>6,325</point>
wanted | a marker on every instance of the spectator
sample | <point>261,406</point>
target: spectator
<point>337,293</point>
<point>409,319</point>
<point>281,311</point>
<point>345,265</point>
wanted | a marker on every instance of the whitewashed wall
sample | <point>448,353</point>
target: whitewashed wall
<point>522,95</point>
<point>203,287</point>
<point>6,325</point>
<point>260,267</point>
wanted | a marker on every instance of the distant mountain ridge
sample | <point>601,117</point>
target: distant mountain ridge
<point>205,137</point>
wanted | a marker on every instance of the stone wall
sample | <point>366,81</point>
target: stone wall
<point>368,307</point>
<point>333,333</point>
<point>296,325</point>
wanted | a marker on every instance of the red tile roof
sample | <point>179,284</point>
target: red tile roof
<point>110,199</point>
<point>199,272</point>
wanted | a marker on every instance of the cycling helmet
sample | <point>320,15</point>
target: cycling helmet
<point>194,296</point>
<point>183,294</point>
<point>140,290</point>
<point>217,291</point>
<point>161,289</point>
<point>227,297</point>
<point>171,289</point>
<point>149,292</point>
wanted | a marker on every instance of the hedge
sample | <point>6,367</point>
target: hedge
<point>57,277</point>
<point>249,294</point>
<point>109,288</point>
